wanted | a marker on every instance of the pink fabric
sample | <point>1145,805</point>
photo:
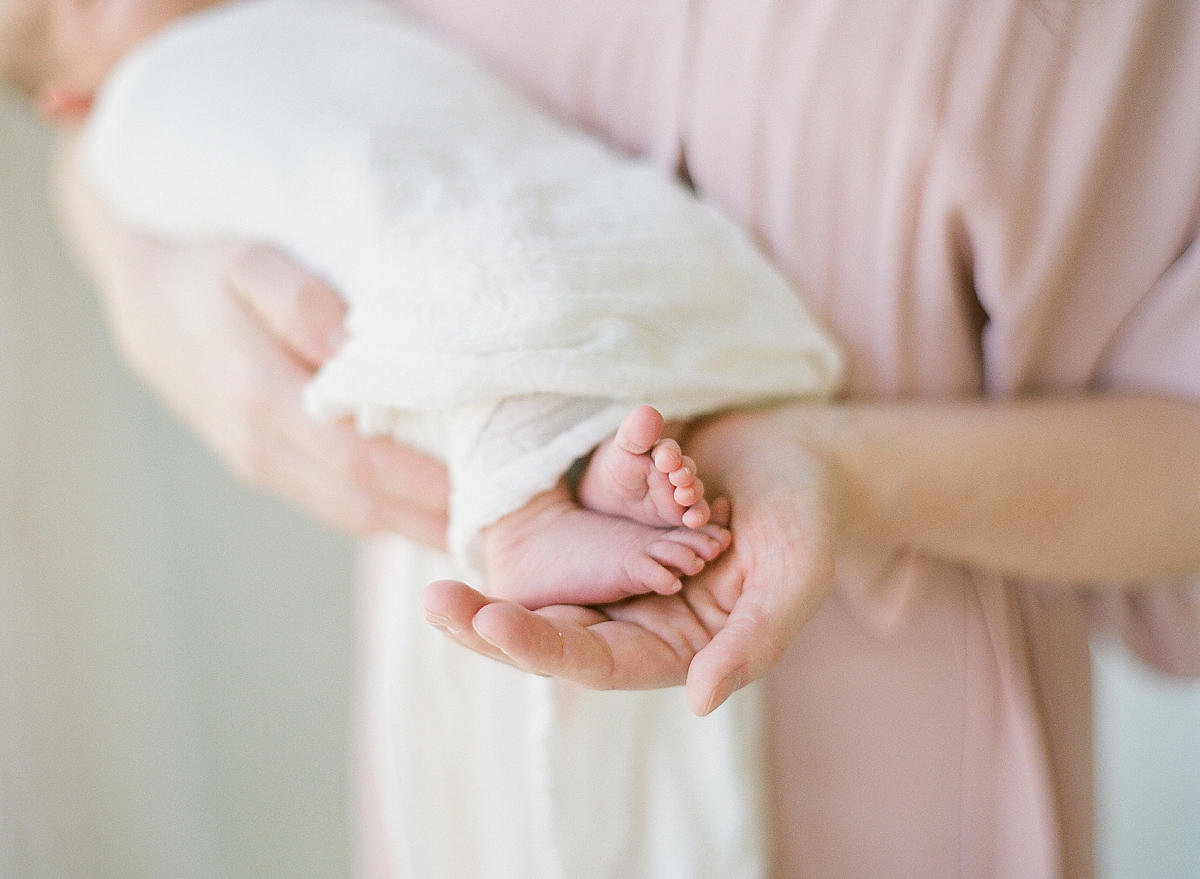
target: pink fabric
<point>994,199</point>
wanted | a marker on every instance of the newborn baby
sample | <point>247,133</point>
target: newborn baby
<point>515,290</point>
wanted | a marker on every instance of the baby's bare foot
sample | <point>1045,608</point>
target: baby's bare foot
<point>639,475</point>
<point>553,552</point>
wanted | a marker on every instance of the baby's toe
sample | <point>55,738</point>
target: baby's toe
<point>684,474</point>
<point>711,540</point>
<point>651,573</point>
<point>689,495</point>
<point>640,430</point>
<point>707,542</point>
<point>676,556</point>
<point>697,514</point>
<point>668,457</point>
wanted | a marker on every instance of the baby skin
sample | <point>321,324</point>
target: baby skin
<point>643,525</point>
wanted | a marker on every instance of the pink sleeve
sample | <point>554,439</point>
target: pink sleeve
<point>1160,624</point>
<point>611,67</point>
<point>1157,351</point>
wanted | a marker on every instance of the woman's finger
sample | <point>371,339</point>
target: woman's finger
<point>586,645</point>
<point>393,472</point>
<point>450,607</point>
<point>354,483</point>
<point>302,311</point>
<point>304,315</point>
<point>346,506</point>
<point>774,578</point>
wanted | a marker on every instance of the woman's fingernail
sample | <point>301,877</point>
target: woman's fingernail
<point>443,623</point>
<point>492,643</point>
<point>730,684</point>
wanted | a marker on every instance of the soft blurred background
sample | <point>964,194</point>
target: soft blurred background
<point>175,650</point>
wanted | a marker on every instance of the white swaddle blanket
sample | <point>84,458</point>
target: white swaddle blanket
<point>514,289</point>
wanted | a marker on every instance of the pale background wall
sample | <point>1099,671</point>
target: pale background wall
<point>1148,768</point>
<point>175,650</point>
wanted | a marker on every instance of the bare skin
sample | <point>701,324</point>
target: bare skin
<point>640,475</point>
<point>1036,489</point>
<point>59,51</point>
<point>644,526</point>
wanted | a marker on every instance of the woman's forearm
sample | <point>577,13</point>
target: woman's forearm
<point>1072,491</point>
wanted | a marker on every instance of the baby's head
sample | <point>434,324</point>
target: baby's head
<point>59,51</point>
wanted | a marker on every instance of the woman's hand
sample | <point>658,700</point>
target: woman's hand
<point>1100,493</point>
<point>728,625</point>
<point>227,335</point>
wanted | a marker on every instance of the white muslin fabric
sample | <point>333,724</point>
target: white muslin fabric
<point>514,288</point>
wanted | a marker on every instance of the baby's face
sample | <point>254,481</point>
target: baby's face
<point>61,50</point>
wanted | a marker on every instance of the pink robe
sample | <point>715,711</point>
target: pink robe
<point>983,199</point>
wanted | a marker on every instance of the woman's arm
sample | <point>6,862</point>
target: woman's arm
<point>227,335</point>
<point>1073,491</point>
<point>1099,490</point>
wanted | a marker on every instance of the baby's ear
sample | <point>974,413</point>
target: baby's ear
<point>65,104</point>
